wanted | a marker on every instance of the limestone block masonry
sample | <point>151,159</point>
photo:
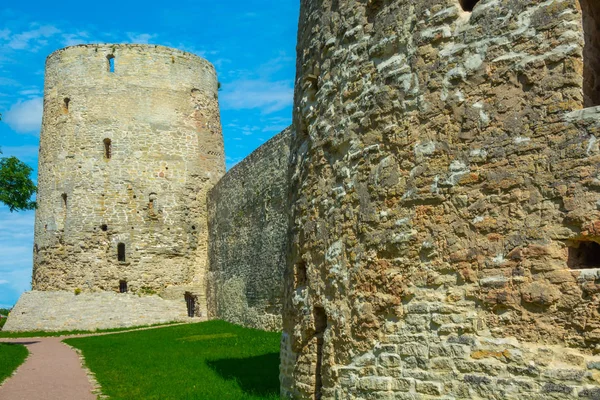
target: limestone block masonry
<point>445,188</point>
<point>65,311</point>
<point>130,145</point>
<point>248,228</point>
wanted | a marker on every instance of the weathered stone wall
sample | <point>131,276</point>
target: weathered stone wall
<point>64,311</point>
<point>444,196</point>
<point>248,227</point>
<point>126,157</point>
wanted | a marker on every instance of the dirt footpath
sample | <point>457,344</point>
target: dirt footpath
<point>51,372</point>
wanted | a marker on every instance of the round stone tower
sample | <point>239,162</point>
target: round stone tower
<point>130,144</point>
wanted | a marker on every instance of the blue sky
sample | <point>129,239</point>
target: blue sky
<point>251,43</point>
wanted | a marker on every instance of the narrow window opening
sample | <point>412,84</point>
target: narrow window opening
<point>190,302</point>
<point>107,148</point>
<point>66,102</point>
<point>121,252</point>
<point>468,5</point>
<point>152,201</point>
<point>590,14</point>
<point>64,201</point>
<point>583,255</point>
<point>122,286</point>
<point>320,326</point>
<point>111,63</point>
<point>300,274</point>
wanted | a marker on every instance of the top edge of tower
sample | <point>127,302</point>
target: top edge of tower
<point>110,48</point>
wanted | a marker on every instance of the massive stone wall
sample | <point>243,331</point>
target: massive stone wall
<point>248,227</point>
<point>130,144</point>
<point>444,194</point>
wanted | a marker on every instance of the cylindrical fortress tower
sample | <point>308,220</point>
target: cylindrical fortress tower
<point>130,144</point>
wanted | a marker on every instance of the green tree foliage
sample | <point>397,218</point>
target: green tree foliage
<point>16,187</point>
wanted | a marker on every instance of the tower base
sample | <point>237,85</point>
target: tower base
<point>65,311</point>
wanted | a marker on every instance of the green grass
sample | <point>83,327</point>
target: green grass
<point>16,335</point>
<point>209,360</point>
<point>11,356</point>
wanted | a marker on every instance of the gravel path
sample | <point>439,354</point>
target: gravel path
<point>51,372</point>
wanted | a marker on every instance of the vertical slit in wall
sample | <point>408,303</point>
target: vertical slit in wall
<point>111,63</point>
<point>64,205</point>
<point>590,14</point>
<point>121,252</point>
<point>300,275</point>
<point>66,102</point>
<point>320,326</point>
<point>107,148</point>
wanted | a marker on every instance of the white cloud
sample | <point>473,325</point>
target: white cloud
<point>259,93</point>
<point>72,39</point>
<point>32,39</point>
<point>25,116</point>
<point>142,38</point>
<point>16,242</point>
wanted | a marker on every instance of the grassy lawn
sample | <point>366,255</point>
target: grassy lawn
<point>17,335</point>
<point>11,356</point>
<point>209,360</point>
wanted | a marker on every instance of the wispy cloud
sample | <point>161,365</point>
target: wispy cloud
<point>261,93</point>
<point>16,242</point>
<point>25,116</point>
<point>31,39</point>
<point>142,38</point>
<point>72,39</point>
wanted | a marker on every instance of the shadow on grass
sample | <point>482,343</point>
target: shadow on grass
<point>257,375</point>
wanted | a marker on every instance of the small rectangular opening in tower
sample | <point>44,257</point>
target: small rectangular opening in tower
<point>590,15</point>
<point>320,318</point>
<point>122,286</point>
<point>111,63</point>
<point>121,252</point>
<point>300,275</point>
<point>583,254</point>
<point>66,102</point>
<point>107,148</point>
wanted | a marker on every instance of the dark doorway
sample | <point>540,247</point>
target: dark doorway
<point>121,252</point>
<point>320,326</point>
<point>590,15</point>
<point>122,286</point>
<point>191,305</point>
